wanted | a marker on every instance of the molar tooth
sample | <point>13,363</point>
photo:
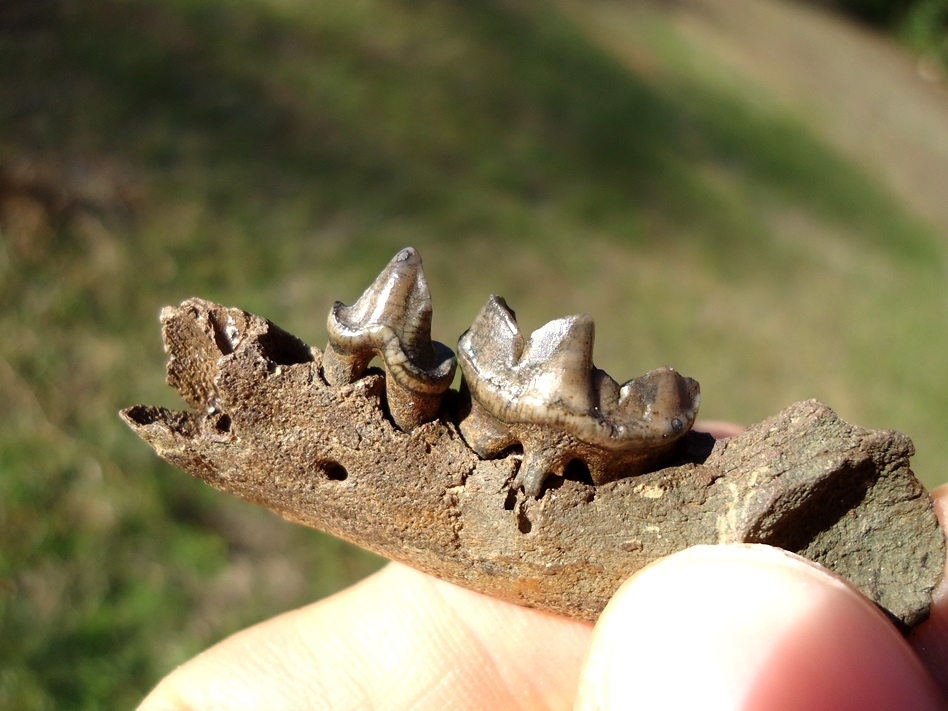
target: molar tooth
<point>392,319</point>
<point>546,394</point>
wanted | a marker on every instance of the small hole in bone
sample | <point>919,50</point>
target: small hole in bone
<point>510,501</point>
<point>336,472</point>
<point>576,470</point>
<point>222,422</point>
<point>142,415</point>
<point>222,339</point>
<point>523,523</point>
<point>283,348</point>
<point>551,483</point>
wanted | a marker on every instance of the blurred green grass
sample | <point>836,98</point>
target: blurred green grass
<point>273,156</point>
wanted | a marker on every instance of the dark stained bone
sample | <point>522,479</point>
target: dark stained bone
<point>266,427</point>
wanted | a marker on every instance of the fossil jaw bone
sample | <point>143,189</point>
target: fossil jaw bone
<point>546,394</point>
<point>392,319</point>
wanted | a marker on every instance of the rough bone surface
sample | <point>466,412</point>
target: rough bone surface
<point>267,427</point>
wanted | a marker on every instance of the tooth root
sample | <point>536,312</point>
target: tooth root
<point>483,432</point>
<point>341,367</point>
<point>392,319</point>
<point>410,409</point>
<point>539,462</point>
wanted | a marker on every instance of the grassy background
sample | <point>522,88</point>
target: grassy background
<point>274,154</point>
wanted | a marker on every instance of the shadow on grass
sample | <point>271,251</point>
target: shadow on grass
<point>425,114</point>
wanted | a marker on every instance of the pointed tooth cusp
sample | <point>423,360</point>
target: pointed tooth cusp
<point>392,319</point>
<point>546,394</point>
<point>495,340</point>
<point>665,402</point>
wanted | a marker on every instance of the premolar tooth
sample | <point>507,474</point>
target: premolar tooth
<point>392,319</point>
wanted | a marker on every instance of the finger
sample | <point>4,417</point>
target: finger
<point>748,627</point>
<point>398,640</point>
<point>719,429</point>
<point>930,640</point>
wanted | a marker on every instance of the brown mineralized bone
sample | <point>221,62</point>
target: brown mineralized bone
<point>267,427</point>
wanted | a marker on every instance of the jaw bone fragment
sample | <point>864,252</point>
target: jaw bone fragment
<point>546,394</point>
<point>264,425</point>
<point>392,319</point>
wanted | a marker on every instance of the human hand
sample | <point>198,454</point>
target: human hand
<point>712,627</point>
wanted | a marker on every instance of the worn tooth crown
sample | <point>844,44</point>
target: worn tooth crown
<point>665,400</point>
<point>546,394</point>
<point>392,319</point>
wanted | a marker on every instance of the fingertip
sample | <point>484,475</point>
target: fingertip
<point>930,640</point>
<point>719,429</point>
<point>398,640</point>
<point>747,627</point>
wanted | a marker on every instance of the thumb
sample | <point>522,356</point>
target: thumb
<point>747,627</point>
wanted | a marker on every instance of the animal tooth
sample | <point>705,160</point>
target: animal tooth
<point>392,319</point>
<point>545,394</point>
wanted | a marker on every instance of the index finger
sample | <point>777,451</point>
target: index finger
<point>398,640</point>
